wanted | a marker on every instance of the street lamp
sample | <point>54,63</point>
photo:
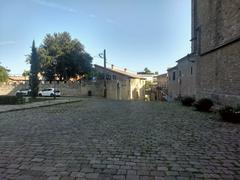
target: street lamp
<point>54,62</point>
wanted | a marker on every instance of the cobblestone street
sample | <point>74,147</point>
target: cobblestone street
<point>103,139</point>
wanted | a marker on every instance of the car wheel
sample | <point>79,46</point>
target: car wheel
<point>40,95</point>
<point>51,95</point>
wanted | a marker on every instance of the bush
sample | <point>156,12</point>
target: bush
<point>187,101</point>
<point>230,114</point>
<point>203,104</point>
<point>11,100</point>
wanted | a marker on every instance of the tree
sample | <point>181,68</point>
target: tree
<point>3,74</point>
<point>72,60</point>
<point>147,71</point>
<point>34,70</point>
<point>26,73</point>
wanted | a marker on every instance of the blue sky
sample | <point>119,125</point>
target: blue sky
<point>135,33</point>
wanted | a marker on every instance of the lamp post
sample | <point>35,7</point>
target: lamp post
<point>55,66</point>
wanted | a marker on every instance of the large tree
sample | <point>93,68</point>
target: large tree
<point>69,54</point>
<point>34,70</point>
<point>3,74</point>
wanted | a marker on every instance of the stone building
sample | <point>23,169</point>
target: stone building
<point>216,41</point>
<point>172,83</point>
<point>123,84</point>
<point>162,80</point>
<point>182,78</point>
<point>151,78</point>
<point>161,86</point>
<point>215,58</point>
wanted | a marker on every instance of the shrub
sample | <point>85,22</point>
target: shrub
<point>230,114</point>
<point>11,100</point>
<point>187,101</point>
<point>178,98</point>
<point>203,104</point>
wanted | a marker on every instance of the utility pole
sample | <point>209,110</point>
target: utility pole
<point>105,82</point>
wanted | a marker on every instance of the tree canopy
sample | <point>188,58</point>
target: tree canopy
<point>71,58</point>
<point>3,74</point>
<point>147,71</point>
<point>26,73</point>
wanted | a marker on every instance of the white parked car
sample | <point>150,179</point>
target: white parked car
<point>49,92</point>
<point>23,92</point>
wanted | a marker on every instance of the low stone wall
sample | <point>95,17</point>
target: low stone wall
<point>115,89</point>
<point>11,89</point>
<point>67,89</point>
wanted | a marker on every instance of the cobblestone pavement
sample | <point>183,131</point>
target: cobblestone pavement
<point>103,139</point>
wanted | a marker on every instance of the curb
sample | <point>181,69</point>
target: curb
<point>44,105</point>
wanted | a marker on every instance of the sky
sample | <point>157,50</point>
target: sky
<point>135,33</point>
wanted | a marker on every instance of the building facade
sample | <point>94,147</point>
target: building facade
<point>123,84</point>
<point>214,62</point>
<point>216,41</point>
<point>162,81</point>
<point>182,78</point>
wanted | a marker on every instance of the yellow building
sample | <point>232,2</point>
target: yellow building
<point>122,84</point>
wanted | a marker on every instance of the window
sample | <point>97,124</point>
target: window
<point>108,77</point>
<point>174,76</point>
<point>114,77</point>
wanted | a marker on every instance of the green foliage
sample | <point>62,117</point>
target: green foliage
<point>71,58</point>
<point>26,73</point>
<point>230,114</point>
<point>148,86</point>
<point>203,104</point>
<point>95,74</point>
<point>187,101</point>
<point>147,71</point>
<point>11,100</point>
<point>35,65</point>
<point>3,74</point>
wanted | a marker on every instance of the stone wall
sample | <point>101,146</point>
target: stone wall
<point>162,81</point>
<point>11,89</point>
<point>187,76</point>
<point>67,89</point>
<point>184,83</point>
<point>218,31</point>
<point>219,75</point>
<point>217,22</point>
<point>119,90</point>
<point>172,84</point>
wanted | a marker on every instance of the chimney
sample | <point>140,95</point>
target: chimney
<point>112,66</point>
<point>125,69</point>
